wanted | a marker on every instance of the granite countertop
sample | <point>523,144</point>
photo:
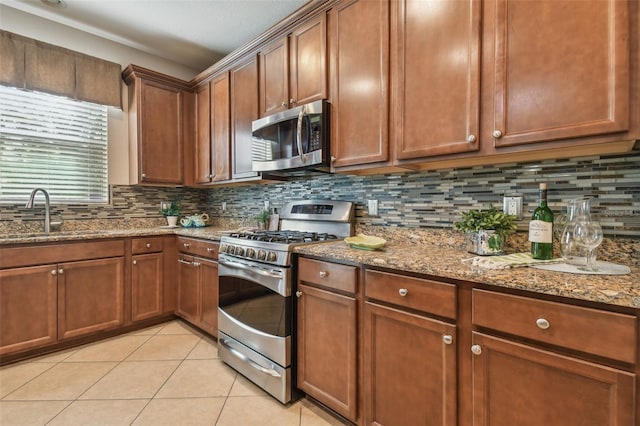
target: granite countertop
<point>212,233</point>
<point>442,260</point>
<point>438,253</point>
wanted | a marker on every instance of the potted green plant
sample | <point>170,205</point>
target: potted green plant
<point>172,211</point>
<point>263,218</point>
<point>486,230</point>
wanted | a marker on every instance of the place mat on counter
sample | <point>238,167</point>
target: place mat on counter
<point>603,268</point>
<point>505,261</point>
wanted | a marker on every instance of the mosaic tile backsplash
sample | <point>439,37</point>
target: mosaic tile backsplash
<point>430,199</point>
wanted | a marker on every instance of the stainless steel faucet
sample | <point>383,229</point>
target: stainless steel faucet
<point>47,214</point>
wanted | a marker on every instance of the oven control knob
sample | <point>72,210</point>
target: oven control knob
<point>262,255</point>
<point>227,249</point>
<point>223,248</point>
<point>272,256</point>
<point>250,253</point>
<point>239,251</point>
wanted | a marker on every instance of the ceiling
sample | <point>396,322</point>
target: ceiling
<point>194,33</point>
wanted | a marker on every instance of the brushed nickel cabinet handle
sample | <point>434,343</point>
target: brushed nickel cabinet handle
<point>324,274</point>
<point>403,292</point>
<point>476,349</point>
<point>471,138</point>
<point>210,249</point>
<point>135,262</point>
<point>60,271</point>
<point>298,293</point>
<point>447,339</point>
<point>187,245</point>
<point>54,272</point>
<point>497,134</point>
<point>148,245</point>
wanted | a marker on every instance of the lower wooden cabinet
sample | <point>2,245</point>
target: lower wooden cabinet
<point>516,384</point>
<point>198,292</point>
<point>409,368</point>
<point>327,348</point>
<point>147,273</point>
<point>28,306</point>
<point>90,296</point>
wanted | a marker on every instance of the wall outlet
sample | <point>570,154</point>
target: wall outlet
<point>224,206</point>
<point>266,204</point>
<point>513,206</point>
<point>164,205</point>
<point>372,207</point>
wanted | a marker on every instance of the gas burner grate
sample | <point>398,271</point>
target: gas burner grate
<point>286,237</point>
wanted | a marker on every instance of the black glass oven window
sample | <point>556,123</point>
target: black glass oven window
<point>255,306</point>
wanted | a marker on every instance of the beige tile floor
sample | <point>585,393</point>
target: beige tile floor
<point>164,375</point>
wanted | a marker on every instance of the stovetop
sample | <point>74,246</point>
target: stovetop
<point>285,237</point>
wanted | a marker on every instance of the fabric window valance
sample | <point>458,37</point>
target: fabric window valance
<point>31,64</point>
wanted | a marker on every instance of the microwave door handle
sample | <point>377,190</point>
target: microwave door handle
<point>303,156</point>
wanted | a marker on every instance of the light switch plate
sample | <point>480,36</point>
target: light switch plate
<point>513,206</point>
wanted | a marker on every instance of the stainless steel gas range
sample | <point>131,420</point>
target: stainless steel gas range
<point>256,312</point>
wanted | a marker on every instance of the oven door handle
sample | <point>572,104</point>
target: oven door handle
<point>250,269</point>
<point>244,358</point>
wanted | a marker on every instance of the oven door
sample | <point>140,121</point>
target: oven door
<point>255,306</point>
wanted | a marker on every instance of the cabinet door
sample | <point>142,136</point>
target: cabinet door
<point>274,77</point>
<point>359,70</point>
<point>202,151</point>
<point>209,296</point>
<point>514,384</point>
<point>561,69</point>
<point>90,296</point>
<point>409,368</point>
<point>160,134</point>
<point>146,286</point>
<point>327,357</point>
<point>188,289</point>
<point>244,109</point>
<point>28,307</point>
<point>220,130</point>
<point>437,97</point>
<point>308,62</point>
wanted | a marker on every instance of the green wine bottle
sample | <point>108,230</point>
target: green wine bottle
<point>541,228</point>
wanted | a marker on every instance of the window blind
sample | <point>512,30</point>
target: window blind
<point>55,143</point>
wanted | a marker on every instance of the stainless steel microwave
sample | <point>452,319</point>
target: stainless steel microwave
<point>291,140</point>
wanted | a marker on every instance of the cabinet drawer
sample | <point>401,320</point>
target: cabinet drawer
<point>424,295</point>
<point>607,334</point>
<point>40,254</point>
<point>327,274</point>
<point>146,245</point>
<point>198,247</point>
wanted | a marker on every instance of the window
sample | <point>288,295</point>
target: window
<point>55,143</point>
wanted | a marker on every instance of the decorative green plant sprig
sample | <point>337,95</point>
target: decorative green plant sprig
<point>491,219</point>
<point>263,217</point>
<point>174,209</point>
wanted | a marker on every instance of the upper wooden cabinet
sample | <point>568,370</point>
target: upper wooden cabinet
<point>155,127</point>
<point>359,82</point>
<point>561,70</point>
<point>213,136</point>
<point>436,64</point>
<point>244,109</point>
<point>293,68</point>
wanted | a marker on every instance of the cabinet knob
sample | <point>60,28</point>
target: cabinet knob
<point>497,134</point>
<point>403,292</point>
<point>324,274</point>
<point>543,323</point>
<point>210,249</point>
<point>447,339</point>
<point>196,264</point>
<point>292,101</point>
<point>471,138</point>
<point>148,245</point>
<point>476,349</point>
<point>135,262</point>
<point>143,175</point>
<point>60,271</point>
<point>187,245</point>
<point>284,103</point>
<point>333,159</point>
<point>54,272</point>
<point>298,293</point>
<point>211,176</point>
